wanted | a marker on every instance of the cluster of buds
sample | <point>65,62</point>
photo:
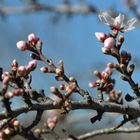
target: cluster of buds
<point>21,71</point>
<point>26,45</point>
<point>109,42</point>
<point>69,88</point>
<point>105,83</point>
<point>123,66</point>
<point>12,127</point>
<point>17,71</point>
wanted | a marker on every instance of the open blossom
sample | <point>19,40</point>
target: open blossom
<point>104,82</point>
<point>117,23</point>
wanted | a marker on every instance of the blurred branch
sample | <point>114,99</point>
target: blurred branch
<point>107,131</point>
<point>63,8</point>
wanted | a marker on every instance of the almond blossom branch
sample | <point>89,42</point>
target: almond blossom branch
<point>111,47</point>
<point>17,82</point>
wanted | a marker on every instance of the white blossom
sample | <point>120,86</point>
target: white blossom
<point>117,23</point>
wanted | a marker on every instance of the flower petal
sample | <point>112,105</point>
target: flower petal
<point>129,26</point>
<point>102,18</point>
<point>106,18</point>
<point>131,22</point>
<point>119,20</point>
<point>126,28</point>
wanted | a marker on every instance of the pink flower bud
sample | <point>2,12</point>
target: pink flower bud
<point>59,72</point>
<point>111,65</point>
<point>5,74</point>
<point>108,71</point>
<point>44,69</point>
<point>16,123</point>
<point>31,65</point>
<point>22,45</point>
<point>62,86</point>
<point>100,36</point>
<point>7,131</point>
<point>109,42</point>
<point>51,122</point>
<point>21,71</point>
<point>97,73</point>
<point>71,87</point>
<point>14,64</point>
<point>56,92</point>
<point>8,95</point>
<point>53,89</point>
<point>105,76</point>
<point>92,84</point>
<point>32,38</point>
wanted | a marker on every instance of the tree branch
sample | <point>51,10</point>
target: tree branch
<point>95,105</point>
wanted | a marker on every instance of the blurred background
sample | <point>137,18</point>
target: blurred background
<point>67,29</point>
